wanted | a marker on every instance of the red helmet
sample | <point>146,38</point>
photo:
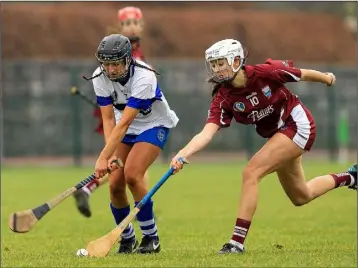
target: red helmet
<point>129,13</point>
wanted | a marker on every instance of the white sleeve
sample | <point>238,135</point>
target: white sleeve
<point>100,87</point>
<point>144,87</point>
<point>101,90</point>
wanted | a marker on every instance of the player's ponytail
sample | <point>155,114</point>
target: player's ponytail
<point>135,63</point>
<point>93,77</point>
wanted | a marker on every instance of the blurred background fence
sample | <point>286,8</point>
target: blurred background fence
<point>40,118</point>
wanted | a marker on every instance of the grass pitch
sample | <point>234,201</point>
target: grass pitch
<point>196,212</point>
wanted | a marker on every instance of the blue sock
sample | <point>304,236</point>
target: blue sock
<point>145,219</point>
<point>119,214</point>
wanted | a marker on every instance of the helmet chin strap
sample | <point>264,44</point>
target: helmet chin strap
<point>228,82</point>
<point>124,80</point>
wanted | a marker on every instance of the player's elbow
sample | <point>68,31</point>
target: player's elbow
<point>107,118</point>
<point>206,136</point>
<point>209,130</point>
<point>107,112</point>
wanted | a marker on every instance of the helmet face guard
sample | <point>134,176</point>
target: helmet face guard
<point>115,49</point>
<point>222,74</point>
<point>126,62</point>
<point>227,50</point>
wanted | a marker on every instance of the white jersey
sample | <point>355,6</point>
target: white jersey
<point>142,92</point>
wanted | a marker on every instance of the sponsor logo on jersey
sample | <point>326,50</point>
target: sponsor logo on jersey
<point>258,115</point>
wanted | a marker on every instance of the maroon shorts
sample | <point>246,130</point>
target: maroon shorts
<point>299,127</point>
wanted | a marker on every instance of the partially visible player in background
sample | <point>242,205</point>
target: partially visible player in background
<point>130,24</point>
<point>257,95</point>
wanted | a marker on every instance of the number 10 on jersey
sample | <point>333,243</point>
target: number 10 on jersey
<point>254,101</point>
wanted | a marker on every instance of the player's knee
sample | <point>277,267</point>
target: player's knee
<point>117,190</point>
<point>298,202</point>
<point>300,198</point>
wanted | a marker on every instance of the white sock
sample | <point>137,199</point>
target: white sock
<point>128,232</point>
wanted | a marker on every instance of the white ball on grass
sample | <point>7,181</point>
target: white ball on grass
<point>82,252</point>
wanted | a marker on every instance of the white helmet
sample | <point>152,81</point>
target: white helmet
<point>228,49</point>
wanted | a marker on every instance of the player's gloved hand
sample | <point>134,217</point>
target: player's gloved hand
<point>178,162</point>
<point>333,79</point>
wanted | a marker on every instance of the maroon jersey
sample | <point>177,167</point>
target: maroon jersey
<point>264,101</point>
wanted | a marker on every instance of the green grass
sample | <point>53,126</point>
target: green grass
<point>196,212</point>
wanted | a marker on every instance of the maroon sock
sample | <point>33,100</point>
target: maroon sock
<point>92,185</point>
<point>241,230</point>
<point>342,179</point>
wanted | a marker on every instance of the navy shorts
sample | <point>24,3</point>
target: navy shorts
<point>157,136</point>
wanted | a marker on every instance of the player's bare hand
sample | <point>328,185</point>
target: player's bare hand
<point>114,163</point>
<point>332,79</point>
<point>101,167</point>
<point>177,163</point>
